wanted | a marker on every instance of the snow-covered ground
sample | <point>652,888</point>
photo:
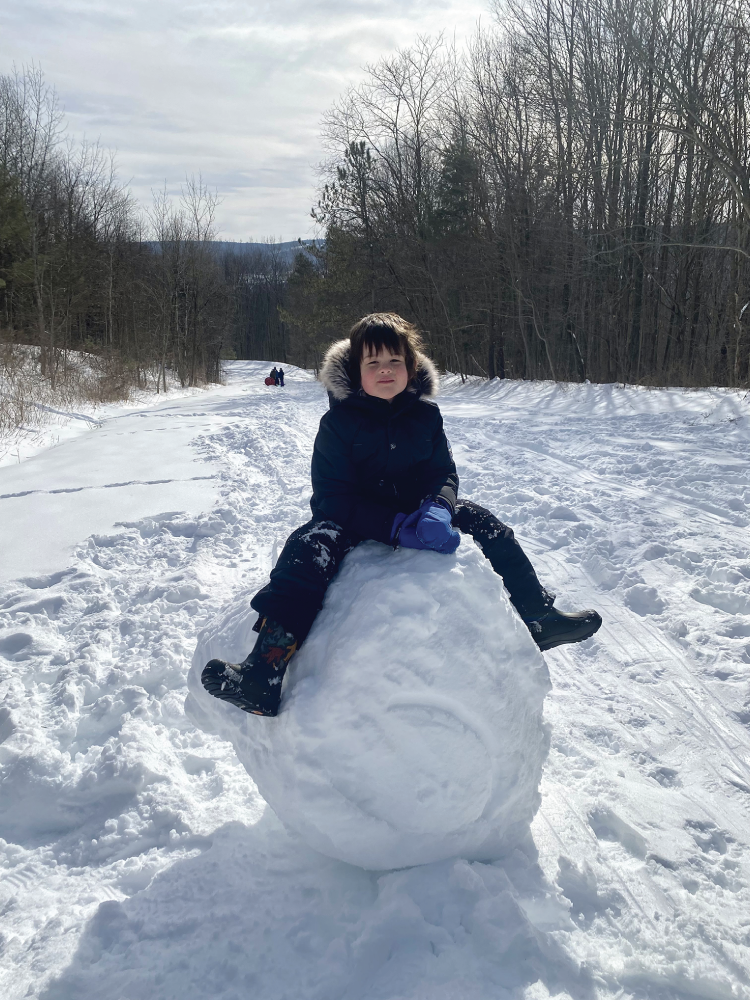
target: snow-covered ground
<point>139,860</point>
<point>121,468</point>
<point>55,422</point>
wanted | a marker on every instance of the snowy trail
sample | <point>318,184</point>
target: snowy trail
<point>138,859</point>
<point>137,460</point>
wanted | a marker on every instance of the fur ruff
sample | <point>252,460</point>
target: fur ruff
<point>334,373</point>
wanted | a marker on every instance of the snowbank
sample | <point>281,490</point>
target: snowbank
<point>411,725</point>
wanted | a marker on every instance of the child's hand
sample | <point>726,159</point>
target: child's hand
<point>429,528</point>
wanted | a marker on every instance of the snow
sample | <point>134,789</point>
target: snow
<point>56,421</point>
<point>411,725</point>
<point>139,859</point>
<point>130,463</point>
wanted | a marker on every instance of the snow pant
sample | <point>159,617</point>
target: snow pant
<point>313,554</point>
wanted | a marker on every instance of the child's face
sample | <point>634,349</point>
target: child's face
<point>383,374</point>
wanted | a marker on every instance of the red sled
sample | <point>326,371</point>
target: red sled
<point>270,381</point>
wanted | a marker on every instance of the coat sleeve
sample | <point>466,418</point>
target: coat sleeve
<point>335,493</point>
<point>439,472</point>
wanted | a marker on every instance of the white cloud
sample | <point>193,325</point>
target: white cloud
<point>234,91</point>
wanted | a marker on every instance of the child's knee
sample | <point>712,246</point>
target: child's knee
<point>480,523</point>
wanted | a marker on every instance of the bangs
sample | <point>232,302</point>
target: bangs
<point>378,338</point>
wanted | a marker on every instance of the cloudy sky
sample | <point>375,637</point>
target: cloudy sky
<point>232,90</point>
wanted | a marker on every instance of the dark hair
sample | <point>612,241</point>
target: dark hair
<point>384,331</point>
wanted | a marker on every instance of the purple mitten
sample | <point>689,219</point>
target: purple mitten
<point>429,528</point>
<point>407,535</point>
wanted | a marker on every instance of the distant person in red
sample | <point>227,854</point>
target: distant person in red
<point>274,375</point>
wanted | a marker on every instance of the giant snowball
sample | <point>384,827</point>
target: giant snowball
<point>411,723</point>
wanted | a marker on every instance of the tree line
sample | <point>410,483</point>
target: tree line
<point>83,268</point>
<point>568,198</point>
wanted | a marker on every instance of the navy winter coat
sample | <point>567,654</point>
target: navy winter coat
<point>373,459</point>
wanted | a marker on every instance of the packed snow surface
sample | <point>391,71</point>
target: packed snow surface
<point>411,727</point>
<point>140,862</point>
<point>136,458</point>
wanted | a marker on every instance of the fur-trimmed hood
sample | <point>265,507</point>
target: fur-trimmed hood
<point>334,374</point>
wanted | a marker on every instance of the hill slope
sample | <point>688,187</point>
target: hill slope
<point>138,858</point>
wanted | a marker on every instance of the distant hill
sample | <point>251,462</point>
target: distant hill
<point>286,251</point>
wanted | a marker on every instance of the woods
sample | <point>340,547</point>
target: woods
<point>84,269</point>
<point>567,199</point>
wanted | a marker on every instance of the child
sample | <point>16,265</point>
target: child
<point>381,469</point>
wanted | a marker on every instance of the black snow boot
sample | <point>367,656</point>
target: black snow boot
<point>554,627</point>
<point>255,684</point>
